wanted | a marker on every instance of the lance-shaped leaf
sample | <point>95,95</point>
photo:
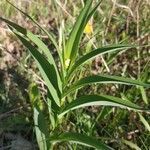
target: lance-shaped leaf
<point>92,11</point>
<point>36,23</point>
<point>39,43</point>
<point>72,46</point>
<point>104,79</point>
<point>76,33</point>
<point>85,16</point>
<point>50,36</point>
<point>96,100</point>
<point>40,122</point>
<point>130,144</point>
<point>145,122</point>
<point>80,139</point>
<point>94,53</point>
<point>47,70</point>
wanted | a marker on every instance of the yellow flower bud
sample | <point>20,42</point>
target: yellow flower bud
<point>88,28</point>
<point>67,62</point>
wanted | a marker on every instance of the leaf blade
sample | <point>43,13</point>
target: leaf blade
<point>76,33</point>
<point>40,123</point>
<point>80,139</point>
<point>37,42</point>
<point>50,36</point>
<point>144,121</point>
<point>93,10</point>
<point>36,23</point>
<point>44,67</point>
<point>103,79</point>
<point>94,53</point>
<point>96,100</point>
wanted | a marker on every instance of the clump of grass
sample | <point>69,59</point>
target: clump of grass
<point>61,85</point>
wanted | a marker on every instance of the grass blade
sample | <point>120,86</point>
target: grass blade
<point>39,43</point>
<point>104,79</point>
<point>104,100</point>
<point>41,125</point>
<point>76,33</point>
<point>131,144</point>
<point>36,23</point>
<point>94,53</point>
<point>50,36</point>
<point>143,93</point>
<point>146,124</point>
<point>47,70</point>
<point>93,10</point>
<point>80,139</point>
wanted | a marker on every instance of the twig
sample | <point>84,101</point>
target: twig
<point>12,111</point>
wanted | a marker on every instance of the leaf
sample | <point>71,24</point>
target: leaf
<point>80,139</point>
<point>47,70</point>
<point>144,97</point>
<point>41,125</point>
<point>145,123</point>
<point>94,53</point>
<point>76,33</point>
<point>93,10</point>
<point>40,129</point>
<point>50,36</point>
<point>105,100</point>
<point>131,144</point>
<point>35,22</point>
<point>103,79</point>
<point>40,45</point>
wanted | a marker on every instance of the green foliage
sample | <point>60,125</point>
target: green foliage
<point>60,84</point>
<point>81,139</point>
<point>40,122</point>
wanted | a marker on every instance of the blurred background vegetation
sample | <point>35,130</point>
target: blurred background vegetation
<point>116,21</point>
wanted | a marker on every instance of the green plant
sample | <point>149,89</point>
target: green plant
<point>48,115</point>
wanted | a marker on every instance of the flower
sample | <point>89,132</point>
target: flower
<point>88,28</point>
